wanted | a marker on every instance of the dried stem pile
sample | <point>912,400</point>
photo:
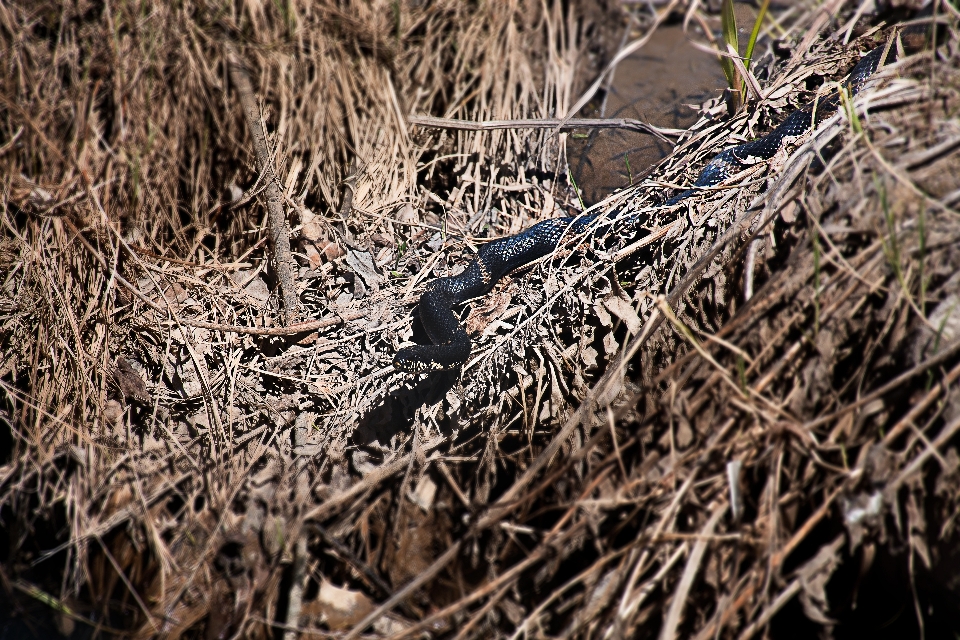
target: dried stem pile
<point>734,417</point>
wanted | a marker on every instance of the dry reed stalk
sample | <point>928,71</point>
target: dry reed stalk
<point>121,126</point>
<point>279,232</point>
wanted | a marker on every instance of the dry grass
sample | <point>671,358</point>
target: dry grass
<point>633,450</point>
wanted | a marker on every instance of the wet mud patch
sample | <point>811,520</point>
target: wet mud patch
<point>662,84</point>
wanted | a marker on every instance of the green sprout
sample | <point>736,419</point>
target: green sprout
<point>576,189</point>
<point>847,100</point>
<point>728,22</point>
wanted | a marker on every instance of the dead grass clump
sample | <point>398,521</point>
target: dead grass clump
<point>149,481</point>
<point>632,450</point>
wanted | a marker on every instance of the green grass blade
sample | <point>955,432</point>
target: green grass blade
<point>846,99</point>
<point>576,189</point>
<point>728,21</point>
<point>752,42</point>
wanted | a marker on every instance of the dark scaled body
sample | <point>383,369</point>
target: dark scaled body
<point>451,344</point>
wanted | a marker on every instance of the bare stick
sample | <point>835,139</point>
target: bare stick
<point>750,262</point>
<point>407,590</point>
<point>819,562</point>
<point>669,631</point>
<point>289,330</point>
<point>349,186</point>
<point>546,123</point>
<point>296,589</point>
<point>279,233</point>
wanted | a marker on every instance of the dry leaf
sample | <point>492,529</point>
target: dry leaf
<point>338,607</point>
<point>622,308</point>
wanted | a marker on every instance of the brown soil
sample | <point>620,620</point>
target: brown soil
<point>664,84</point>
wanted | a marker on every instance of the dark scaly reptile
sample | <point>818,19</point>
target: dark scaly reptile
<point>451,344</point>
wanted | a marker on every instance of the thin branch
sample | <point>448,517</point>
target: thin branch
<point>547,123</point>
<point>279,232</point>
<point>689,573</point>
<point>296,588</point>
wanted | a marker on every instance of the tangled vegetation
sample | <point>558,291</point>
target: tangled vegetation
<point>734,419</point>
